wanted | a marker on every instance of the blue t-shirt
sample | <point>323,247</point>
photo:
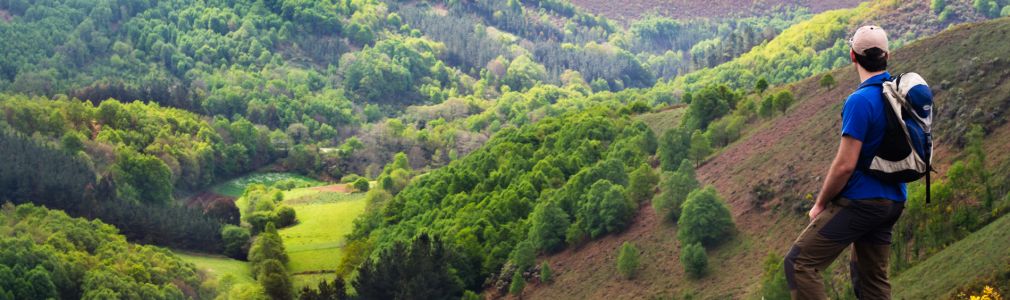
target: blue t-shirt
<point>863,119</point>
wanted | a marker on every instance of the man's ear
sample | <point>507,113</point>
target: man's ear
<point>852,56</point>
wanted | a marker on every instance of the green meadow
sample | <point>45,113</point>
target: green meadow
<point>216,266</point>
<point>236,186</point>
<point>315,244</point>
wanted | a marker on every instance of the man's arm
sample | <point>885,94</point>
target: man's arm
<point>839,173</point>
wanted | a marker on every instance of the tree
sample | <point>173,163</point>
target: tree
<point>361,184</point>
<point>674,190</point>
<point>828,81</point>
<point>700,147</point>
<point>977,165</point>
<point>705,218</point>
<point>142,178</point>
<point>767,107</point>
<point>523,255</point>
<point>72,142</point>
<point>518,283</point>
<point>709,104</point>
<point>694,259</point>
<point>274,279</point>
<point>642,183</point>
<point>546,275</point>
<point>523,73</point>
<point>326,290</point>
<point>604,209</point>
<point>267,246</point>
<point>761,85</point>
<point>548,223</point>
<point>417,269</point>
<point>783,100</point>
<point>673,148</point>
<point>627,260</point>
<point>236,241</point>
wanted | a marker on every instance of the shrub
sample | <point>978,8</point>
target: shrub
<point>694,259</point>
<point>518,283</point>
<point>285,216</point>
<point>236,241</point>
<point>783,100</point>
<point>361,184</point>
<point>773,281</point>
<point>546,275</point>
<point>827,81</point>
<point>627,260</point>
<point>705,218</point>
<point>470,295</point>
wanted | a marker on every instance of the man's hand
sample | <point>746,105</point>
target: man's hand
<point>816,210</point>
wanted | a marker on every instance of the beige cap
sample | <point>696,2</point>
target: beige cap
<point>867,37</point>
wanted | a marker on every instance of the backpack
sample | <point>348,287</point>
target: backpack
<point>906,152</point>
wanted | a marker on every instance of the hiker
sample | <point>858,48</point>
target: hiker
<point>853,207</point>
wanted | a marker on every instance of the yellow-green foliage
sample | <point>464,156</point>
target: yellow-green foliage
<point>796,47</point>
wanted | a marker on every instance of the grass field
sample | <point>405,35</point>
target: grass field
<point>982,254</point>
<point>236,186</point>
<point>216,266</point>
<point>662,121</point>
<point>315,243</point>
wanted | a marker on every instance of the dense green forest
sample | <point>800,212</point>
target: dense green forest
<point>483,134</point>
<point>49,255</point>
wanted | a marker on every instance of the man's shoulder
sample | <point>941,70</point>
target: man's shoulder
<point>861,97</point>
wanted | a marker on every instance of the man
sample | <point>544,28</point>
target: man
<point>853,207</point>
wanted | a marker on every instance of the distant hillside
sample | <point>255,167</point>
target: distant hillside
<point>791,153</point>
<point>686,9</point>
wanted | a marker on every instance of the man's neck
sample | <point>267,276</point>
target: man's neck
<point>864,75</point>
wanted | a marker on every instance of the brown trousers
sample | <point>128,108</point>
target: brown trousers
<point>866,224</point>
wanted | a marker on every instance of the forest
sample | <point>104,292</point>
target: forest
<point>485,138</point>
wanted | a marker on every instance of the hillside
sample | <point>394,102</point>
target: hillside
<point>792,152</point>
<point>687,9</point>
<point>981,257</point>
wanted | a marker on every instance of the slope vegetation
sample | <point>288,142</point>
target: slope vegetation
<point>790,154</point>
<point>624,10</point>
<point>943,274</point>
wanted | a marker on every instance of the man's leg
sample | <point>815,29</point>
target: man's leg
<point>817,246</point>
<point>870,257</point>
<point>870,272</point>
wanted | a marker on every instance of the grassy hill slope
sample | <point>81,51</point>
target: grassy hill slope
<point>984,253</point>
<point>792,152</point>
